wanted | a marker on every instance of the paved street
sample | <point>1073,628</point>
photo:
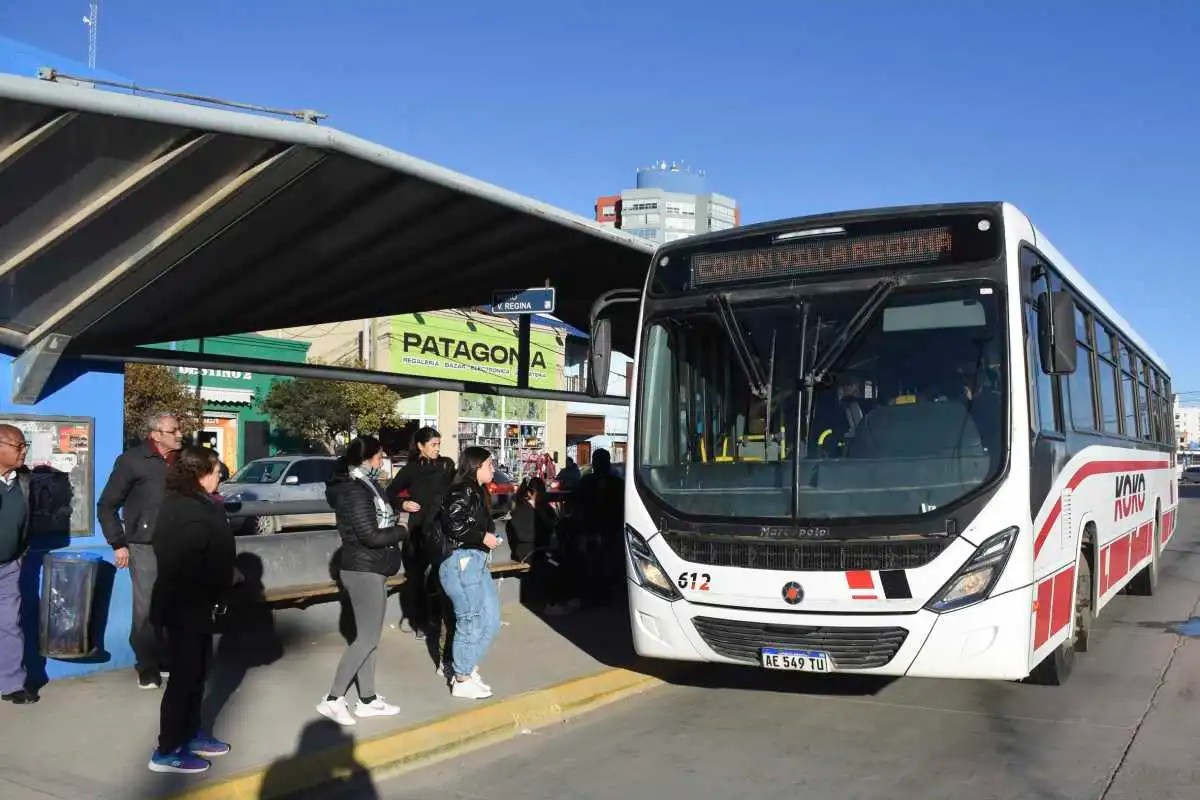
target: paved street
<point>1126,726</point>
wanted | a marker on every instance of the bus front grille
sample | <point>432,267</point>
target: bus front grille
<point>850,648</point>
<point>828,556</point>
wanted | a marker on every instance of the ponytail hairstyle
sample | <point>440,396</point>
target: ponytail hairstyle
<point>360,449</point>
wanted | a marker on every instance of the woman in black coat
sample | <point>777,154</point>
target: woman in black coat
<point>425,479</point>
<point>370,554</point>
<point>194,548</point>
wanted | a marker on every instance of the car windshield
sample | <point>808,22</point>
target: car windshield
<point>906,417</point>
<point>260,472</point>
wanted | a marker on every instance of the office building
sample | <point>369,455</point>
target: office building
<point>671,201</point>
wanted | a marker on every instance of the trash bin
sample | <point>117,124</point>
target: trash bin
<point>68,589</point>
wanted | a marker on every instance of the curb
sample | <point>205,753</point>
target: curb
<point>424,743</point>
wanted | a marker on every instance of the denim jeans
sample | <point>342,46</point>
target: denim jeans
<point>467,581</point>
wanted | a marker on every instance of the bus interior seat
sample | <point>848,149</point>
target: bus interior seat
<point>917,430</point>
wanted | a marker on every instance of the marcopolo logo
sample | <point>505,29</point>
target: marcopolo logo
<point>1131,495</point>
<point>462,351</point>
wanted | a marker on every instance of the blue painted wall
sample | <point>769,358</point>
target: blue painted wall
<point>79,389</point>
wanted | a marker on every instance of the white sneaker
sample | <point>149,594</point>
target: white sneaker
<point>336,710</point>
<point>469,689</point>
<point>440,670</point>
<point>375,708</point>
<point>475,676</point>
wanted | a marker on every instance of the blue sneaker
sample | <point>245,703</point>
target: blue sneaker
<point>204,745</point>
<point>180,761</point>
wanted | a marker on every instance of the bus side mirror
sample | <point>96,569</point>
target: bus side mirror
<point>1056,332</point>
<point>599,357</point>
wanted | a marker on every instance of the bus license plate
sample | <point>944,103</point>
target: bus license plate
<point>798,660</point>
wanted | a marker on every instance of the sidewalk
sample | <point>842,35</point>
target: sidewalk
<point>91,737</point>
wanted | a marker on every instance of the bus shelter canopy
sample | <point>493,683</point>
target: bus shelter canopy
<point>127,220</point>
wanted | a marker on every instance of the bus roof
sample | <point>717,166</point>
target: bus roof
<point>1090,293</point>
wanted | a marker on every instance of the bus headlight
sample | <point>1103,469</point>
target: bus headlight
<point>974,580</point>
<point>648,573</point>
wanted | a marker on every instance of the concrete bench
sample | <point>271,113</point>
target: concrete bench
<point>302,594</point>
<point>296,566</point>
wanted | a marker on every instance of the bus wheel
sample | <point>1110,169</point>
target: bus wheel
<point>1146,581</point>
<point>1056,667</point>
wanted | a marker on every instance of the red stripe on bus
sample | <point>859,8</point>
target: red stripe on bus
<point>1083,473</point>
<point>1103,467</point>
<point>1064,590</point>
<point>860,579</point>
<point>1041,630</point>
<point>1047,526</point>
<point>864,597</point>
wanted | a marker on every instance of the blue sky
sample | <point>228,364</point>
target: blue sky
<point>1083,113</point>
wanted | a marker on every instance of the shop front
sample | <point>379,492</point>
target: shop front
<point>473,346</point>
<point>234,423</point>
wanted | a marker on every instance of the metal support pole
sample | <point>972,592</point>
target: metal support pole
<point>523,330</point>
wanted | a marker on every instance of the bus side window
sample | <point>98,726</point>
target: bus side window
<point>1045,404</point>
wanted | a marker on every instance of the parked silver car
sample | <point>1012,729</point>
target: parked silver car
<point>298,481</point>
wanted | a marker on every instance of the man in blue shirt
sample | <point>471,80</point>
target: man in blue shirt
<point>14,529</point>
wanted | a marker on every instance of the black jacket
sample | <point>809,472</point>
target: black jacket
<point>366,547</point>
<point>465,516</point>
<point>426,482</point>
<point>529,528</point>
<point>195,551</point>
<point>135,488</point>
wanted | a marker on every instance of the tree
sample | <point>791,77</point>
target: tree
<point>325,411</point>
<point>150,388</point>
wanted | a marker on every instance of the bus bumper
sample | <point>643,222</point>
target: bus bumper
<point>989,640</point>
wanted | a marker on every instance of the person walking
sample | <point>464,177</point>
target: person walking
<point>369,555</point>
<point>465,575</point>
<point>128,510</point>
<point>195,554</point>
<point>15,513</point>
<point>424,479</point>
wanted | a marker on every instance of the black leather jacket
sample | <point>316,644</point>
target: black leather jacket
<point>466,517</point>
<point>366,547</point>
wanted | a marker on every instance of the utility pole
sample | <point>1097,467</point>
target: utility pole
<point>92,20</point>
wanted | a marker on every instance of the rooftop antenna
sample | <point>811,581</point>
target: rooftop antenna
<point>92,20</point>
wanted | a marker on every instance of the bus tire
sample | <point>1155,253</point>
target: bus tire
<point>1146,581</point>
<point>1056,668</point>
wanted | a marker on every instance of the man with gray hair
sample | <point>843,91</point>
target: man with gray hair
<point>128,508</point>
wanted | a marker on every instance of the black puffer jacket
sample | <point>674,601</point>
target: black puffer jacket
<point>466,517</point>
<point>366,547</point>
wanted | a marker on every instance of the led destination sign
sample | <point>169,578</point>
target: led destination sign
<point>923,246</point>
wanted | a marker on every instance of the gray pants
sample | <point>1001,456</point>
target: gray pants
<point>144,637</point>
<point>368,600</point>
<point>12,640</point>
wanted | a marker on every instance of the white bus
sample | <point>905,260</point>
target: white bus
<point>909,441</point>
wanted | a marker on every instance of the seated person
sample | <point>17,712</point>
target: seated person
<point>839,413</point>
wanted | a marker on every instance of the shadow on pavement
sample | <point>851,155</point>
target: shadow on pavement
<point>248,639</point>
<point>324,759</point>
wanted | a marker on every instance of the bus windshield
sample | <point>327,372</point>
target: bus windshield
<point>905,417</point>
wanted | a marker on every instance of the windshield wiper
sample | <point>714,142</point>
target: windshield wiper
<point>851,330</point>
<point>760,383</point>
